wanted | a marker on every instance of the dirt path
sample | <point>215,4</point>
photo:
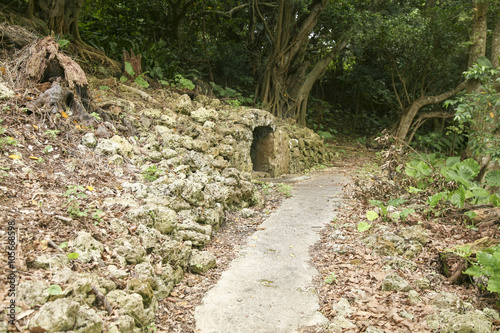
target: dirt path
<point>267,287</point>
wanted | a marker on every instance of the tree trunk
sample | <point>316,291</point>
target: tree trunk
<point>61,16</point>
<point>478,38</point>
<point>495,45</point>
<point>478,49</point>
<point>286,80</point>
<point>410,113</point>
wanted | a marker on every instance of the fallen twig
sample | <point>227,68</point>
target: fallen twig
<point>54,245</point>
<point>140,93</point>
<point>103,300</point>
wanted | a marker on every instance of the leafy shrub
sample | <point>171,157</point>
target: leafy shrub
<point>384,209</point>
<point>479,109</point>
<point>461,173</point>
<point>450,143</point>
<point>139,79</point>
<point>488,264</point>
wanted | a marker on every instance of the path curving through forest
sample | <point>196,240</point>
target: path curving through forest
<point>267,288</point>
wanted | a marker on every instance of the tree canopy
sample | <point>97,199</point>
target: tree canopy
<point>373,64</point>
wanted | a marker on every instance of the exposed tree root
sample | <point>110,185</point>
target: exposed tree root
<point>88,53</point>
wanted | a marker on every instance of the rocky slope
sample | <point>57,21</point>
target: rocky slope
<point>110,211</point>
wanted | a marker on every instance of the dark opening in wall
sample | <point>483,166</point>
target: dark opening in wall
<point>262,148</point>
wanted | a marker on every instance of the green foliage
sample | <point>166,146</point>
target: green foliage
<point>463,173</point>
<point>403,214</point>
<point>286,189</point>
<point>63,43</point>
<point>266,188</point>
<point>72,205</point>
<point>233,97</point>
<point>183,83</point>
<point>52,133</point>
<point>364,226</point>
<point>451,142</point>
<point>371,215</point>
<point>6,140</point>
<point>152,328</point>
<point>55,290</point>
<point>48,149</point>
<point>73,255</point>
<point>75,191</point>
<point>325,134</point>
<point>137,79</point>
<point>96,116</point>
<point>75,211</point>
<point>436,198</point>
<point>463,251</point>
<point>492,178</point>
<point>488,265</point>
<point>331,278</point>
<point>421,171</point>
<point>384,209</point>
<point>479,110</point>
<point>97,216</point>
<point>151,173</point>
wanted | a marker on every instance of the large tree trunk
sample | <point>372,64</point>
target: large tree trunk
<point>410,112</point>
<point>478,49</point>
<point>495,45</point>
<point>286,80</point>
<point>478,38</point>
<point>61,16</point>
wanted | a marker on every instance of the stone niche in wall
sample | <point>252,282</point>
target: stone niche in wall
<point>259,143</point>
<point>269,151</point>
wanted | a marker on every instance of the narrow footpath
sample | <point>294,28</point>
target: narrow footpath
<point>267,288</point>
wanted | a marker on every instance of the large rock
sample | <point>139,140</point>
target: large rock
<point>470,322</point>
<point>161,218</point>
<point>87,247</point>
<point>415,232</point>
<point>148,236</point>
<point>131,305</point>
<point>88,321</point>
<point>393,282</point>
<point>201,115</point>
<point>449,301</point>
<point>193,193</point>
<point>184,105</point>
<point>386,244</point>
<point>130,249</point>
<point>174,253</point>
<point>46,260</point>
<point>89,140</point>
<point>198,239</point>
<point>123,324</point>
<point>217,191</point>
<point>142,288</point>
<point>33,292</point>
<point>115,145</point>
<point>66,315</point>
<point>5,92</point>
<point>201,261</point>
<point>106,147</point>
<point>124,147</point>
